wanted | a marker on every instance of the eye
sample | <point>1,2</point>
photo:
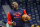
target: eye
<point>12,4</point>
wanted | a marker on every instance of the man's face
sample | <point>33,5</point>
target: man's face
<point>15,5</point>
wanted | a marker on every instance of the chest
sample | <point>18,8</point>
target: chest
<point>16,14</point>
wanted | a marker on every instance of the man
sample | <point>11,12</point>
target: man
<point>15,16</point>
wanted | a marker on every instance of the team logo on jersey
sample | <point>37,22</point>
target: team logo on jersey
<point>17,17</point>
<point>14,14</point>
<point>17,13</point>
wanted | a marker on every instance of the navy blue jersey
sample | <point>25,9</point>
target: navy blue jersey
<point>15,15</point>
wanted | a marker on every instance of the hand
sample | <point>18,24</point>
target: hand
<point>32,25</point>
<point>14,23</point>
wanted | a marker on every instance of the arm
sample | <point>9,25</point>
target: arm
<point>9,19</point>
<point>27,15</point>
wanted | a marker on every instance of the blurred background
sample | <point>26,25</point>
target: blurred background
<point>32,8</point>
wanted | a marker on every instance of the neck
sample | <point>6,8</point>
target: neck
<point>15,8</point>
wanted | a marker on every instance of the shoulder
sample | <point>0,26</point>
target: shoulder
<point>22,9</point>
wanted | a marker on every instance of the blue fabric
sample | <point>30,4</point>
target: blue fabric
<point>24,25</point>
